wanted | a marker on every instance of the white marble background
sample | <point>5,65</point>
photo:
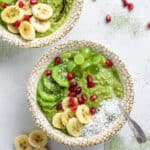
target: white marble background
<point>134,49</point>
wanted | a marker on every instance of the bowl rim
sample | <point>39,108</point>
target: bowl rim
<point>42,122</point>
<point>17,41</point>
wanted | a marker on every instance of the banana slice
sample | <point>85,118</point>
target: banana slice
<point>66,115</point>
<point>22,143</point>
<point>38,139</point>
<point>27,31</point>
<point>12,28</point>
<point>26,8</point>
<point>74,127</point>
<point>42,11</point>
<point>39,25</point>
<point>65,102</point>
<point>57,123</point>
<point>11,14</point>
<point>83,114</point>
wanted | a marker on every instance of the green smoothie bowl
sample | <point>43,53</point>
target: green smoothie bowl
<point>74,90</point>
<point>37,23</point>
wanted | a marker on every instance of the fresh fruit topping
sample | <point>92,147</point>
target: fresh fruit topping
<point>4,5</point>
<point>70,76</point>
<point>78,90</point>
<point>91,85</point>
<point>78,59</point>
<point>80,100</point>
<point>73,84</point>
<point>12,28</point>
<point>108,18</point>
<point>26,18</point>
<point>148,25</point>
<point>89,79</point>
<point>21,4</point>
<point>93,97</point>
<point>74,107</point>
<point>71,89</point>
<point>33,2</point>
<point>47,72</point>
<point>57,60</point>
<point>84,97</point>
<point>71,101</point>
<point>130,6</point>
<point>125,3</point>
<point>93,111</point>
<point>109,63</point>
<point>17,23</point>
<point>72,94</point>
<point>59,107</point>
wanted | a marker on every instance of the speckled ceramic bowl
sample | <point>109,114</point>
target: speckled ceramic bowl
<point>42,122</point>
<point>16,40</point>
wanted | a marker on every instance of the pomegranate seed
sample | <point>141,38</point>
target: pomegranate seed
<point>109,63</point>
<point>57,60</point>
<point>59,107</point>
<point>4,5</point>
<point>78,90</point>
<point>130,6</point>
<point>125,3</point>
<point>108,18</point>
<point>93,97</point>
<point>71,89</point>
<point>72,94</point>
<point>148,25</point>
<point>91,85</point>
<point>26,18</point>
<point>74,107</point>
<point>17,23</point>
<point>93,111</point>
<point>84,97</point>
<point>89,79</point>
<point>21,4</point>
<point>80,100</point>
<point>33,2</point>
<point>73,84</point>
<point>70,76</point>
<point>71,101</point>
<point>47,72</point>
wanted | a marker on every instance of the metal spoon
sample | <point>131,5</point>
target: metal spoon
<point>137,130</point>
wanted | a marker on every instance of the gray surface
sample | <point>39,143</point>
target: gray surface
<point>16,64</point>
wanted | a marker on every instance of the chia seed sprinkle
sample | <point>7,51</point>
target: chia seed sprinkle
<point>106,114</point>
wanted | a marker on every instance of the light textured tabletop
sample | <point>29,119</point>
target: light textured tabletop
<point>126,35</point>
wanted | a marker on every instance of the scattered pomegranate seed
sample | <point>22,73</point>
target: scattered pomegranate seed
<point>125,3</point>
<point>108,18</point>
<point>73,84</point>
<point>93,97</point>
<point>78,90</point>
<point>80,100</point>
<point>17,23</point>
<point>84,97</point>
<point>148,25</point>
<point>109,63</point>
<point>89,79</point>
<point>71,101</point>
<point>74,107</point>
<point>91,85</point>
<point>93,111</point>
<point>71,89</point>
<point>130,6</point>
<point>21,4</point>
<point>4,5</point>
<point>70,76</point>
<point>33,2</point>
<point>72,94</point>
<point>47,72</point>
<point>26,18</point>
<point>57,60</point>
<point>59,107</point>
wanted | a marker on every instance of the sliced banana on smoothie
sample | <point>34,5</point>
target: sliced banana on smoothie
<point>27,31</point>
<point>21,143</point>
<point>66,116</point>
<point>83,114</point>
<point>40,26</point>
<point>11,14</point>
<point>25,7</point>
<point>12,28</point>
<point>38,139</point>
<point>42,11</point>
<point>74,127</point>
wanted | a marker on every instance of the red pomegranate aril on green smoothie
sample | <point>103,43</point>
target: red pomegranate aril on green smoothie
<point>93,111</point>
<point>130,6</point>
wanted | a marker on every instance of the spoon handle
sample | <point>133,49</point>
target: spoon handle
<point>137,130</point>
